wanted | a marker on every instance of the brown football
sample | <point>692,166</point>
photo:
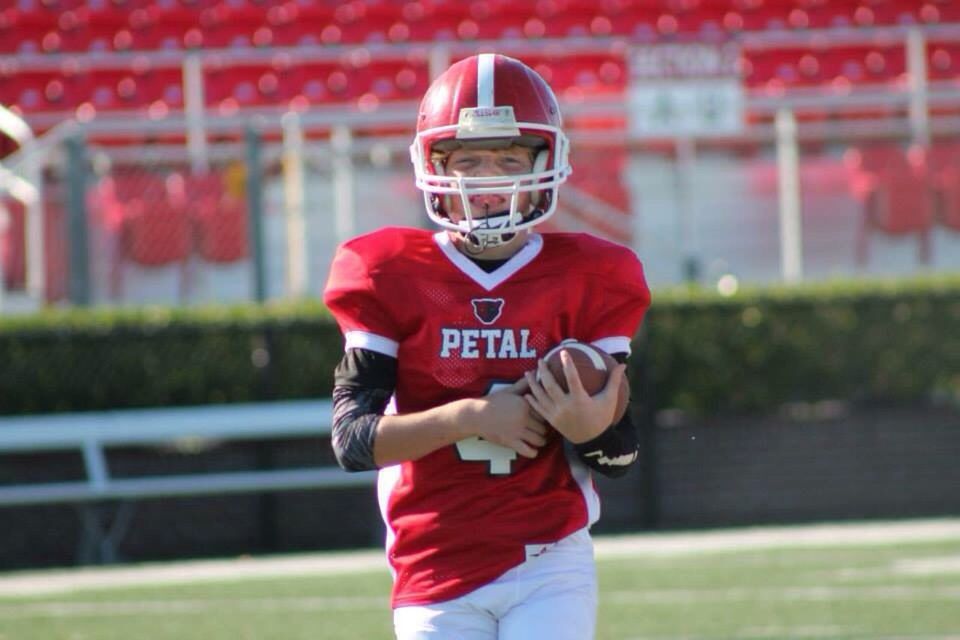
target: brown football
<point>593,366</point>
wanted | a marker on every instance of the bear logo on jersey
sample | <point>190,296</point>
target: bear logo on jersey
<point>487,310</point>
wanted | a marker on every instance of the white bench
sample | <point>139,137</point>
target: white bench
<point>94,433</point>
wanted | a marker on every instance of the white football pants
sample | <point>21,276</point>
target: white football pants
<point>551,596</point>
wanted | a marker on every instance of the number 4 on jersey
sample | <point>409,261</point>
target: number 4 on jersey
<point>477,449</point>
<point>480,450</point>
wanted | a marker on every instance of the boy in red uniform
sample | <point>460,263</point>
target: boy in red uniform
<point>485,470</point>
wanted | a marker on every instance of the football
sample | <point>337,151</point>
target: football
<point>593,365</point>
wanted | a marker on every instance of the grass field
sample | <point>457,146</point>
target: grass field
<point>841,582</point>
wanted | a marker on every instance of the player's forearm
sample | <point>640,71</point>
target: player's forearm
<point>411,436</point>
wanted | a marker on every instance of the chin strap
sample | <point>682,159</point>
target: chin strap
<point>475,242</point>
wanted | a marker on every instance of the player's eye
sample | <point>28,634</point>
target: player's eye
<point>463,164</point>
<point>515,165</point>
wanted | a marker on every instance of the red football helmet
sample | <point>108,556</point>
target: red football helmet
<point>490,101</point>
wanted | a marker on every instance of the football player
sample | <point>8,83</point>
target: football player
<point>487,502</point>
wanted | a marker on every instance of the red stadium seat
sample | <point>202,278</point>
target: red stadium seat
<point>156,234</point>
<point>55,244</point>
<point>806,66</point>
<point>13,244</point>
<point>943,60</point>
<point>943,160</point>
<point>868,161</point>
<point>948,211</point>
<point>219,218</point>
<point>135,183</point>
<point>222,229</point>
<point>897,203</point>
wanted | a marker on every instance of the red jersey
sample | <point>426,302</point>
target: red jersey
<point>462,515</point>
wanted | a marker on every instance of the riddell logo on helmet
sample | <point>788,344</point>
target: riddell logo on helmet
<point>491,112</point>
<point>487,122</point>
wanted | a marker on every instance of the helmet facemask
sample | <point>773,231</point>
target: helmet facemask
<point>489,229</point>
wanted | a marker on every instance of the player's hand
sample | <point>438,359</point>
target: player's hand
<point>504,418</point>
<point>578,416</point>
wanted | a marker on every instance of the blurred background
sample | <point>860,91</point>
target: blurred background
<point>754,139</point>
<point>188,153</point>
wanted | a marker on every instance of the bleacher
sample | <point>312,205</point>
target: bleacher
<point>103,486</point>
<point>57,56</point>
<point>116,64</point>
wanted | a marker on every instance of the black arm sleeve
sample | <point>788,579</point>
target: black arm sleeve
<point>363,384</point>
<point>614,451</point>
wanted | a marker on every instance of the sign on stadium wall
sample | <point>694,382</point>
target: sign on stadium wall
<point>685,90</point>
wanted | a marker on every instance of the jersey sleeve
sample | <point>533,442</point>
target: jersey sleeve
<point>616,304</point>
<point>353,298</point>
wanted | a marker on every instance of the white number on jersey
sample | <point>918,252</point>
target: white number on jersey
<point>480,450</point>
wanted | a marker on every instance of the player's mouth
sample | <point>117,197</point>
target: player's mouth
<point>488,205</point>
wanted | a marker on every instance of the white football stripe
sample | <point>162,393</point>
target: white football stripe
<point>572,345</point>
<point>485,80</point>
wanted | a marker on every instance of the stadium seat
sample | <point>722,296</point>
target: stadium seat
<point>156,230</point>
<point>897,203</point>
<point>943,160</point>
<point>55,244</point>
<point>221,227</point>
<point>157,234</point>
<point>809,67</point>
<point>943,60</point>
<point>129,184</point>
<point>948,209</point>
<point>13,244</point>
<point>134,25</point>
<point>867,161</point>
<point>943,154</point>
<point>218,218</point>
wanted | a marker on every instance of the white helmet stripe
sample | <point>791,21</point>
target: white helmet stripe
<point>485,79</point>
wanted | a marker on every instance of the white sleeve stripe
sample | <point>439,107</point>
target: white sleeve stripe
<point>372,342</point>
<point>615,344</point>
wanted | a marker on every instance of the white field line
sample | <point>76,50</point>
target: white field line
<point>684,597</point>
<point>809,631</point>
<point>801,632</point>
<point>765,633</point>
<point>197,606</point>
<point>654,544</point>
<point>927,566</point>
<point>771,593</point>
<point>822,535</point>
<point>189,572</point>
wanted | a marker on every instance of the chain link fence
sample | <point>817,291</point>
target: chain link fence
<point>142,221</point>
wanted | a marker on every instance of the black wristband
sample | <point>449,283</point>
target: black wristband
<point>613,451</point>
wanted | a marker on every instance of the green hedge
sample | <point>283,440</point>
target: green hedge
<point>866,342</point>
<point>80,360</point>
<point>860,341</point>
